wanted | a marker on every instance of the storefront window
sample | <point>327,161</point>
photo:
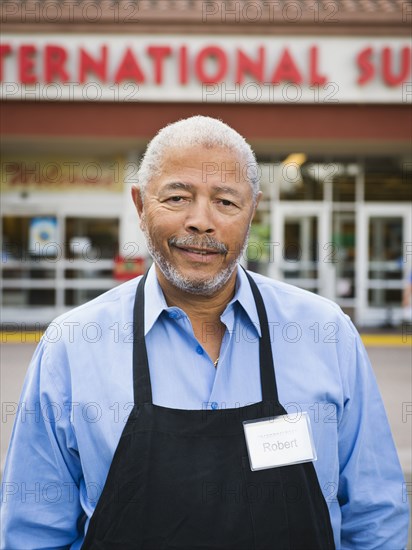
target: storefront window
<point>306,181</point>
<point>92,238</point>
<point>91,246</point>
<point>29,237</point>
<point>344,183</point>
<point>388,179</point>
<point>30,250</point>
<point>301,182</point>
<point>38,270</point>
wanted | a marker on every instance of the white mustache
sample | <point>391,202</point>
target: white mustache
<point>205,242</point>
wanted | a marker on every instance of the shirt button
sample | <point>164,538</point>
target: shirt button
<point>199,350</point>
<point>214,405</point>
<point>173,314</point>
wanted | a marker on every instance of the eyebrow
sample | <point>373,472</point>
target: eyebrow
<point>228,190</point>
<point>179,185</point>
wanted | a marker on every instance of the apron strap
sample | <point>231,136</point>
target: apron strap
<point>267,369</point>
<point>142,388</point>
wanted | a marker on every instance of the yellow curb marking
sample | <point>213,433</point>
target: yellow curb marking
<point>368,339</point>
<point>386,339</point>
<point>20,337</point>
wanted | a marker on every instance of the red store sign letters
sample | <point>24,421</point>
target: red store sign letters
<point>210,64</point>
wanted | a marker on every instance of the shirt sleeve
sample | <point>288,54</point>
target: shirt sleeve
<point>372,490</point>
<point>40,495</point>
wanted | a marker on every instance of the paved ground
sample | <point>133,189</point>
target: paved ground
<point>392,365</point>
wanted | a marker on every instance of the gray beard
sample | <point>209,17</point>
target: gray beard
<point>205,287</point>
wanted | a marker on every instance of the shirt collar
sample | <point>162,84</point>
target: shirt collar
<point>244,296</point>
<point>155,302</point>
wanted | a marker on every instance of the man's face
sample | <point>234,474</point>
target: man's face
<point>196,216</point>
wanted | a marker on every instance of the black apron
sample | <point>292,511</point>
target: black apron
<point>181,479</point>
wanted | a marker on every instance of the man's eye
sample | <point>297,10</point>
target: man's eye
<point>225,202</point>
<point>176,198</point>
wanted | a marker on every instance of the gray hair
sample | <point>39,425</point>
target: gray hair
<point>197,130</point>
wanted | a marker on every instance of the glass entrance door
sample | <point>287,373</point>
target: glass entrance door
<point>344,242</point>
<point>302,253</point>
<point>386,265</point>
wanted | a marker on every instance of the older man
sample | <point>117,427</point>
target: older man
<point>172,430</point>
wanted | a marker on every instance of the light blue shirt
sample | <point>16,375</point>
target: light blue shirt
<point>78,394</point>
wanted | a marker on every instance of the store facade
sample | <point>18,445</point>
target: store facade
<point>325,104</point>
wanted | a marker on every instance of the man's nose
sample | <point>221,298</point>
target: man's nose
<point>199,218</point>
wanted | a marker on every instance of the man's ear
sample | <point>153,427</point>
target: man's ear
<point>137,199</point>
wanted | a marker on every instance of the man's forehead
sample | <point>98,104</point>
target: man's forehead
<point>207,164</point>
<point>201,165</point>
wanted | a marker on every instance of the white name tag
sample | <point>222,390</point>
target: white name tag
<point>279,441</point>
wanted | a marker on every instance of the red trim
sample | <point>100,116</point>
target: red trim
<point>143,120</point>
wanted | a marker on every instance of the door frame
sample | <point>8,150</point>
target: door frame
<point>281,210</point>
<point>376,316</point>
